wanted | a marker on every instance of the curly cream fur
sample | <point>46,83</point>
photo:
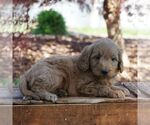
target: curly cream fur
<point>76,75</point>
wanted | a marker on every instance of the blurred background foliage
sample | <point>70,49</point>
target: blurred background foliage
<point>50,22</point>
<point>33,31</point>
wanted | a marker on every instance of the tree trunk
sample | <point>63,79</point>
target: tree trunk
<point>111,13</point>
<point>27,5</point>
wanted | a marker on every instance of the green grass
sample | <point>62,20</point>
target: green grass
<point>145,33</point>
<point>103,32</point>
<point>136,32</point>
<point>16,81</point>
<point>11,28</point>
<point>5,81</point>
<point>91,31</point>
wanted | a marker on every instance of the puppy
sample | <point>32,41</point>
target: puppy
<point>89,74</point>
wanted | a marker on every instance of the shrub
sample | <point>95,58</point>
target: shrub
<point>50,22</point>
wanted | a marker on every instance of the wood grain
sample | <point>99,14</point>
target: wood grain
<point>76,114</point>
<point>5,115</point>
<point>73,100</point>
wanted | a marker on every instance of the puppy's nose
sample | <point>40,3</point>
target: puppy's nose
<point>104,72</point>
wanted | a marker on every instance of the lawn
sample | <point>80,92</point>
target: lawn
<point>127,33</point>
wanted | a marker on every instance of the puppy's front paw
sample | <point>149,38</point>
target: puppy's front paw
<point>51,97</point>
<point>54,98</point>
<point>118,94</point>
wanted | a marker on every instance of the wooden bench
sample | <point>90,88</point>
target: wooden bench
<point>77,112</point>
<point>80,111</point>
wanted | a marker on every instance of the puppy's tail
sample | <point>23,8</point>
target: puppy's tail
<point>24,89</point>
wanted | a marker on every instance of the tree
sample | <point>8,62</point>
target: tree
<point>111,14</point>
<point>27,4</point>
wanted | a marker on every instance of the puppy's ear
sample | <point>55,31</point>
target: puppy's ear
<point>84,58</point>
<point>120,62</point>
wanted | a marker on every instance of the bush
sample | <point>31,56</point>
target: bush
<point>50,22</point>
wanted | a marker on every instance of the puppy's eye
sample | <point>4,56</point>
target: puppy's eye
<point>98,57</point>
<point>114,59</point>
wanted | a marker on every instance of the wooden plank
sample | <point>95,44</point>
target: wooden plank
<point>132,87</point>
<point>143,113</point>
<point>5,115</point>
<point>17,115</point>
<point>92,100</point>
<point>76,114</point>
<point>140,89</point>
<point>75,100</point>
